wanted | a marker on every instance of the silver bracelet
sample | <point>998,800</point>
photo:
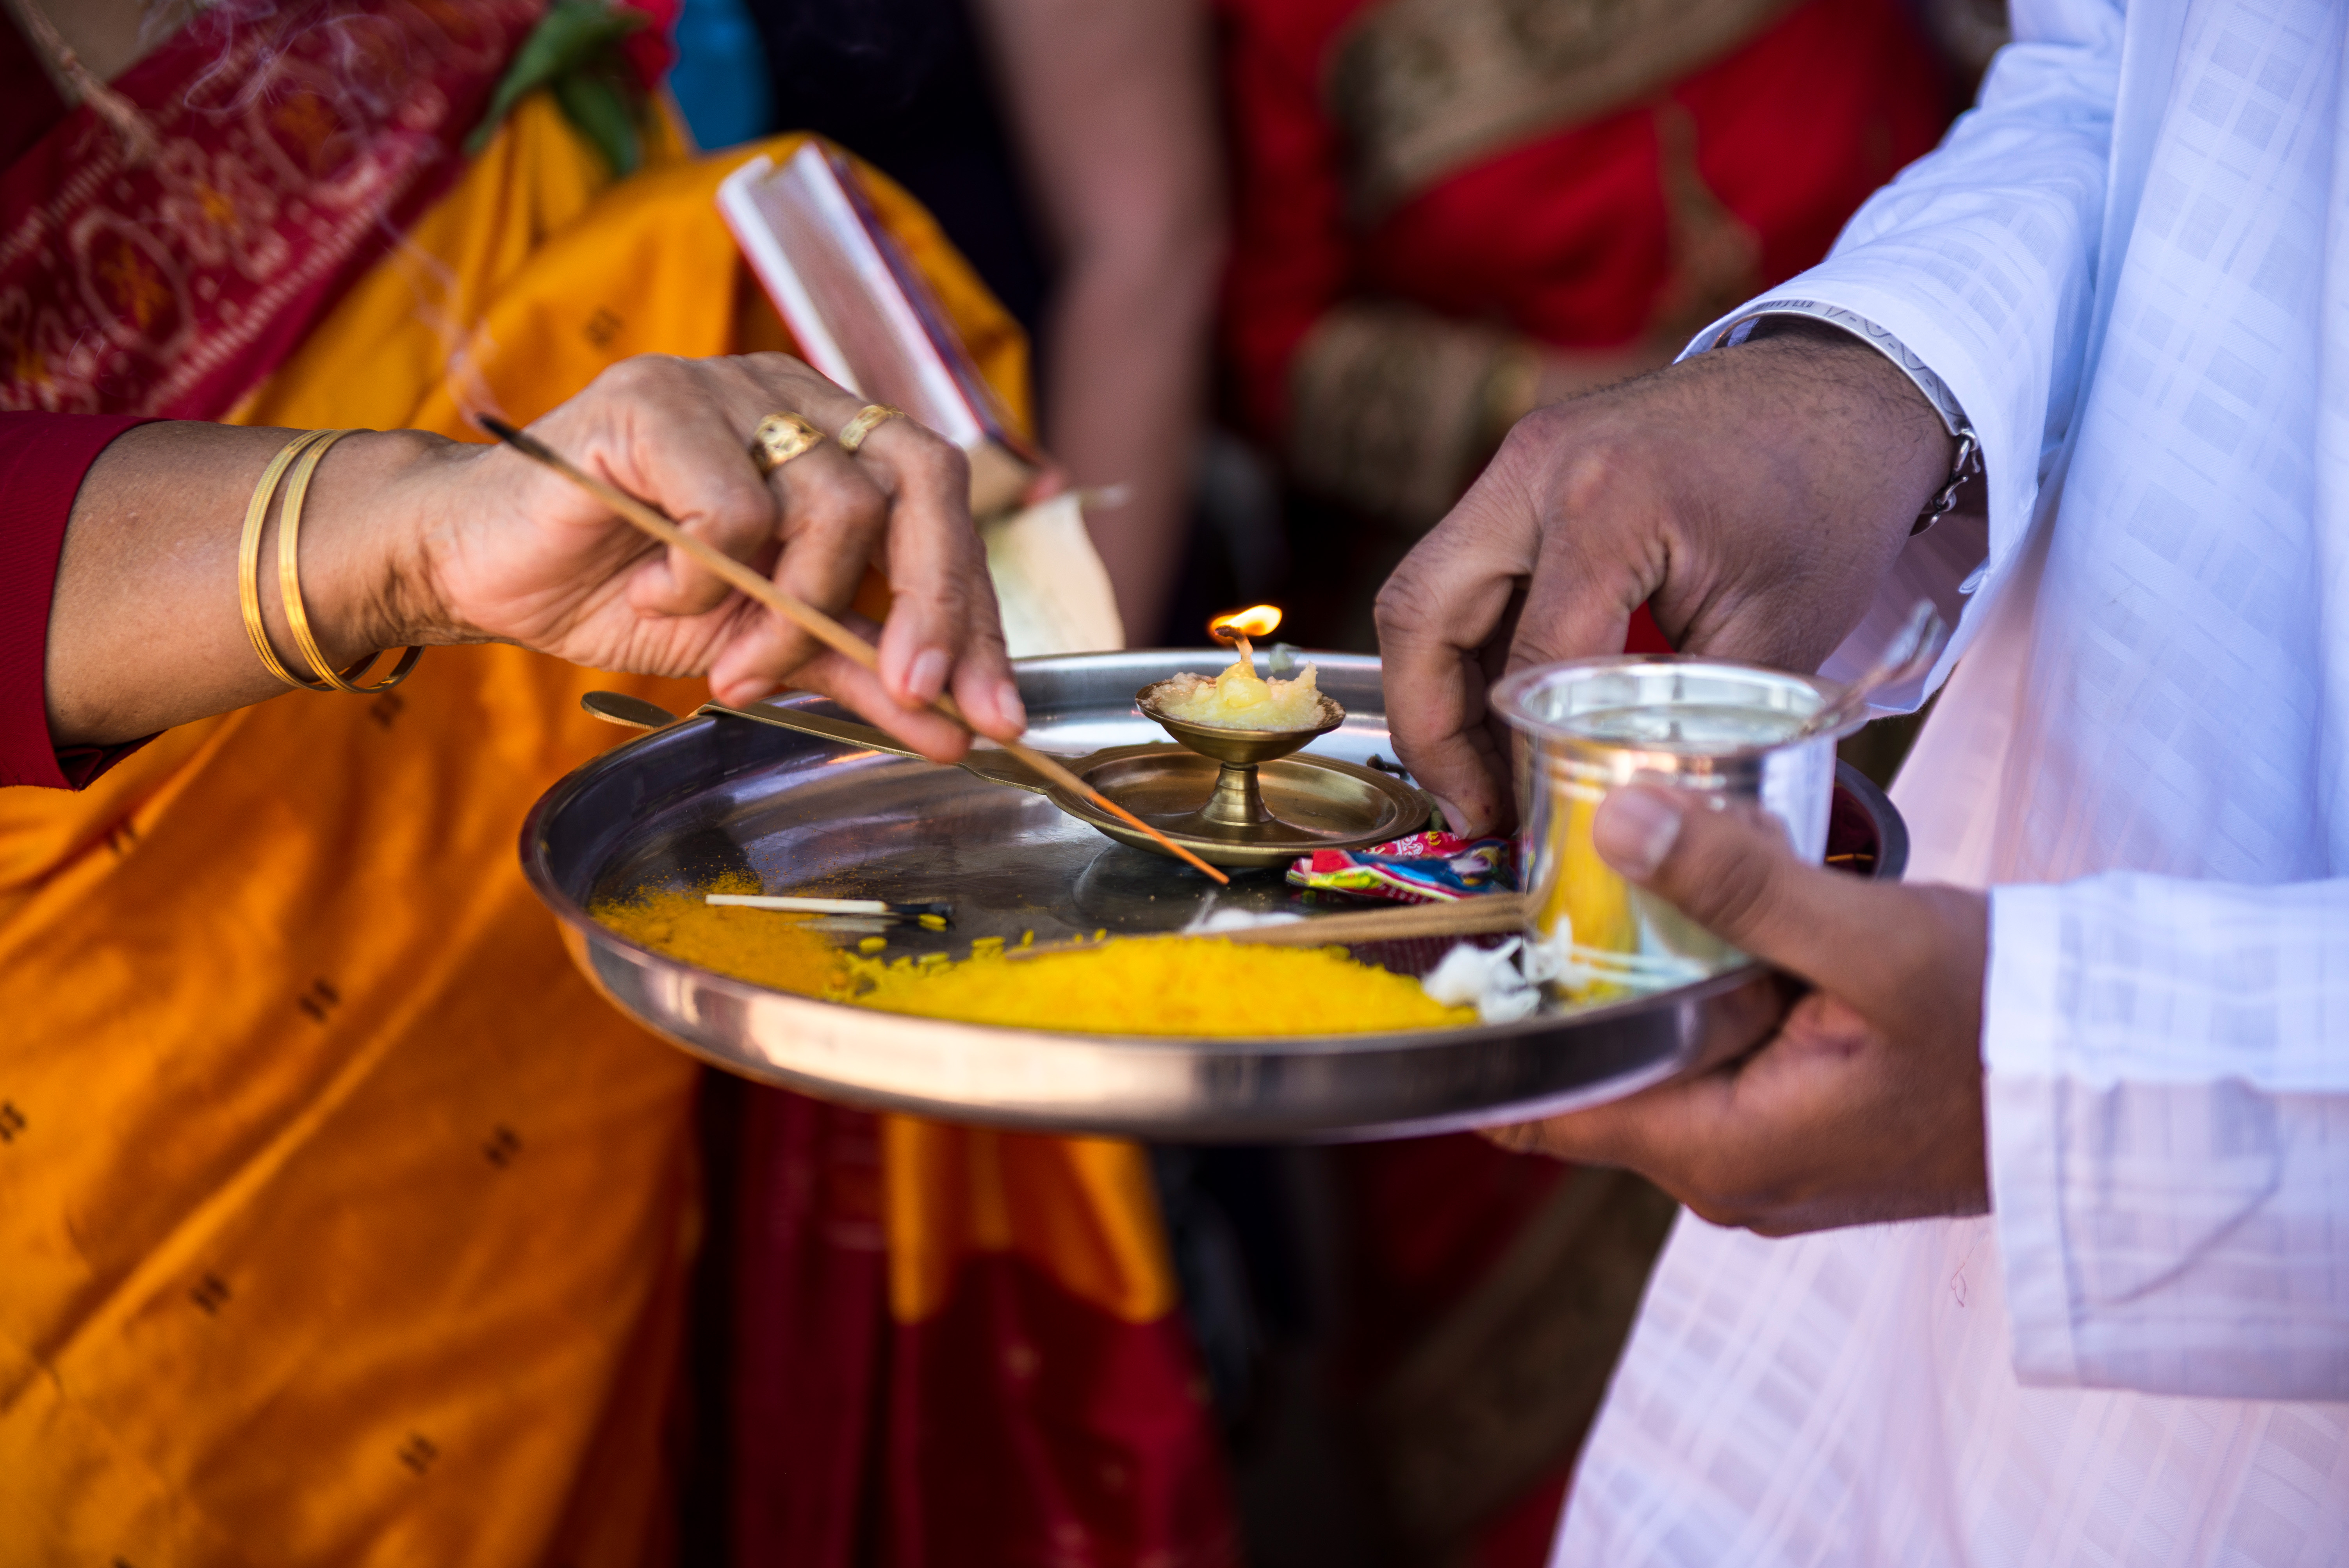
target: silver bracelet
<point>1936,390</point>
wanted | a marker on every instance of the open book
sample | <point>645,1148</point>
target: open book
<point>862,314</point>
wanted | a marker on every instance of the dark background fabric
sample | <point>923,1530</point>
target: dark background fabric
<point>43,457</point>
<point>29,103</point>
<point>908,86</point>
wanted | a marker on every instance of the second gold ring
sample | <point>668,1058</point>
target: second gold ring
<point>780,438</point>
<point>869,418</point>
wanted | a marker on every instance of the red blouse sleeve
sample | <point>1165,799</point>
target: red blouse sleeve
<point>43,457</point>
<point>1291,257</point>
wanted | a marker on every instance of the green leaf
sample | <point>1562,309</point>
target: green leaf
<point>576,37</point>
<point>599,108</point>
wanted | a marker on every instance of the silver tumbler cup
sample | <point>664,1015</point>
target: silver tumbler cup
<point>1588,727</point>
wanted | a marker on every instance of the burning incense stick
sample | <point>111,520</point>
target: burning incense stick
<point>806,617</point>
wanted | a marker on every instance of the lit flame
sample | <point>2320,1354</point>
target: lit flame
<point>1235,629</point>
<point>1256,621</point>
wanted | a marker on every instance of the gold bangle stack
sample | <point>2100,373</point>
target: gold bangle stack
<point>293,466</point>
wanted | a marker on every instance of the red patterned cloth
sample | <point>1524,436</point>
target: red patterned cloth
<point>1565,235</point>
<point>293,147</point>
<point>43,457</point>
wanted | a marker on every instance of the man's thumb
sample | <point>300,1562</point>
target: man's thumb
<point>1730,870</point>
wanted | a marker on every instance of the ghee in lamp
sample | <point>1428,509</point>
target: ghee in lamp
<point>1587,726</point>
<point>1238,699</point>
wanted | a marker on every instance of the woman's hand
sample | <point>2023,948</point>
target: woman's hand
<point>515,553</point>
<point>1867,1105</point>
<point>407,538</point>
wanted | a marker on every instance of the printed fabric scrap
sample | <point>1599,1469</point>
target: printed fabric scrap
<point>1424,868</point>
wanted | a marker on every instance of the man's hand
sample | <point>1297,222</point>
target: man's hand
<point>1867,1104</point>
<point>1754,497</point>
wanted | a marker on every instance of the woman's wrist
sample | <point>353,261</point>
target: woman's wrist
<point>379,498</point>
<point>146,629</point>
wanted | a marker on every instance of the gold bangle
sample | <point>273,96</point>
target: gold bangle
<point>869,418</point>
<point>781,437</point>
<point>289,584</point>
<point>311,444</point>
<point>248,553</point>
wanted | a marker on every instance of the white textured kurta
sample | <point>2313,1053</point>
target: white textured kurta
<point>2131,263</point>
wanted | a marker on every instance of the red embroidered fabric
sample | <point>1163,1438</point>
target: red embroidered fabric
<point>1565,237</point>
<point>43,457</point>
<point>293,148</point>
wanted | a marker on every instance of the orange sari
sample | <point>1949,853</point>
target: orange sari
<point>343,1221</point>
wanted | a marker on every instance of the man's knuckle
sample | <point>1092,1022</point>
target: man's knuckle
<point>1405,603</point>
<point>1521,1138</point>
<point>1598,474</point>
<point>1531,437</point>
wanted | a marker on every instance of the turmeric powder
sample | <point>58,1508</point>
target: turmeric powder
<point>1163,985</point>
<point>754,944</point>
<point>1201,987</point>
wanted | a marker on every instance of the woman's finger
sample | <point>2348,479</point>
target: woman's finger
<point>853,687</point>
<point>902,501</point>
<point>942,611</point>
<point>829,515</point>
<point>983,682</point>
<point>835,519</point>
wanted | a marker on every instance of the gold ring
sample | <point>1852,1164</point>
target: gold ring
<point>779,439</point>
<point>869,418</point>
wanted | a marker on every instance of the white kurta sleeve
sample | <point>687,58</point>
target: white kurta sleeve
<point>1981,258</point>
<point>2169,1086</point>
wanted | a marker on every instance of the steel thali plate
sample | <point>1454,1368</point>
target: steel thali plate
<point>716,794</point>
